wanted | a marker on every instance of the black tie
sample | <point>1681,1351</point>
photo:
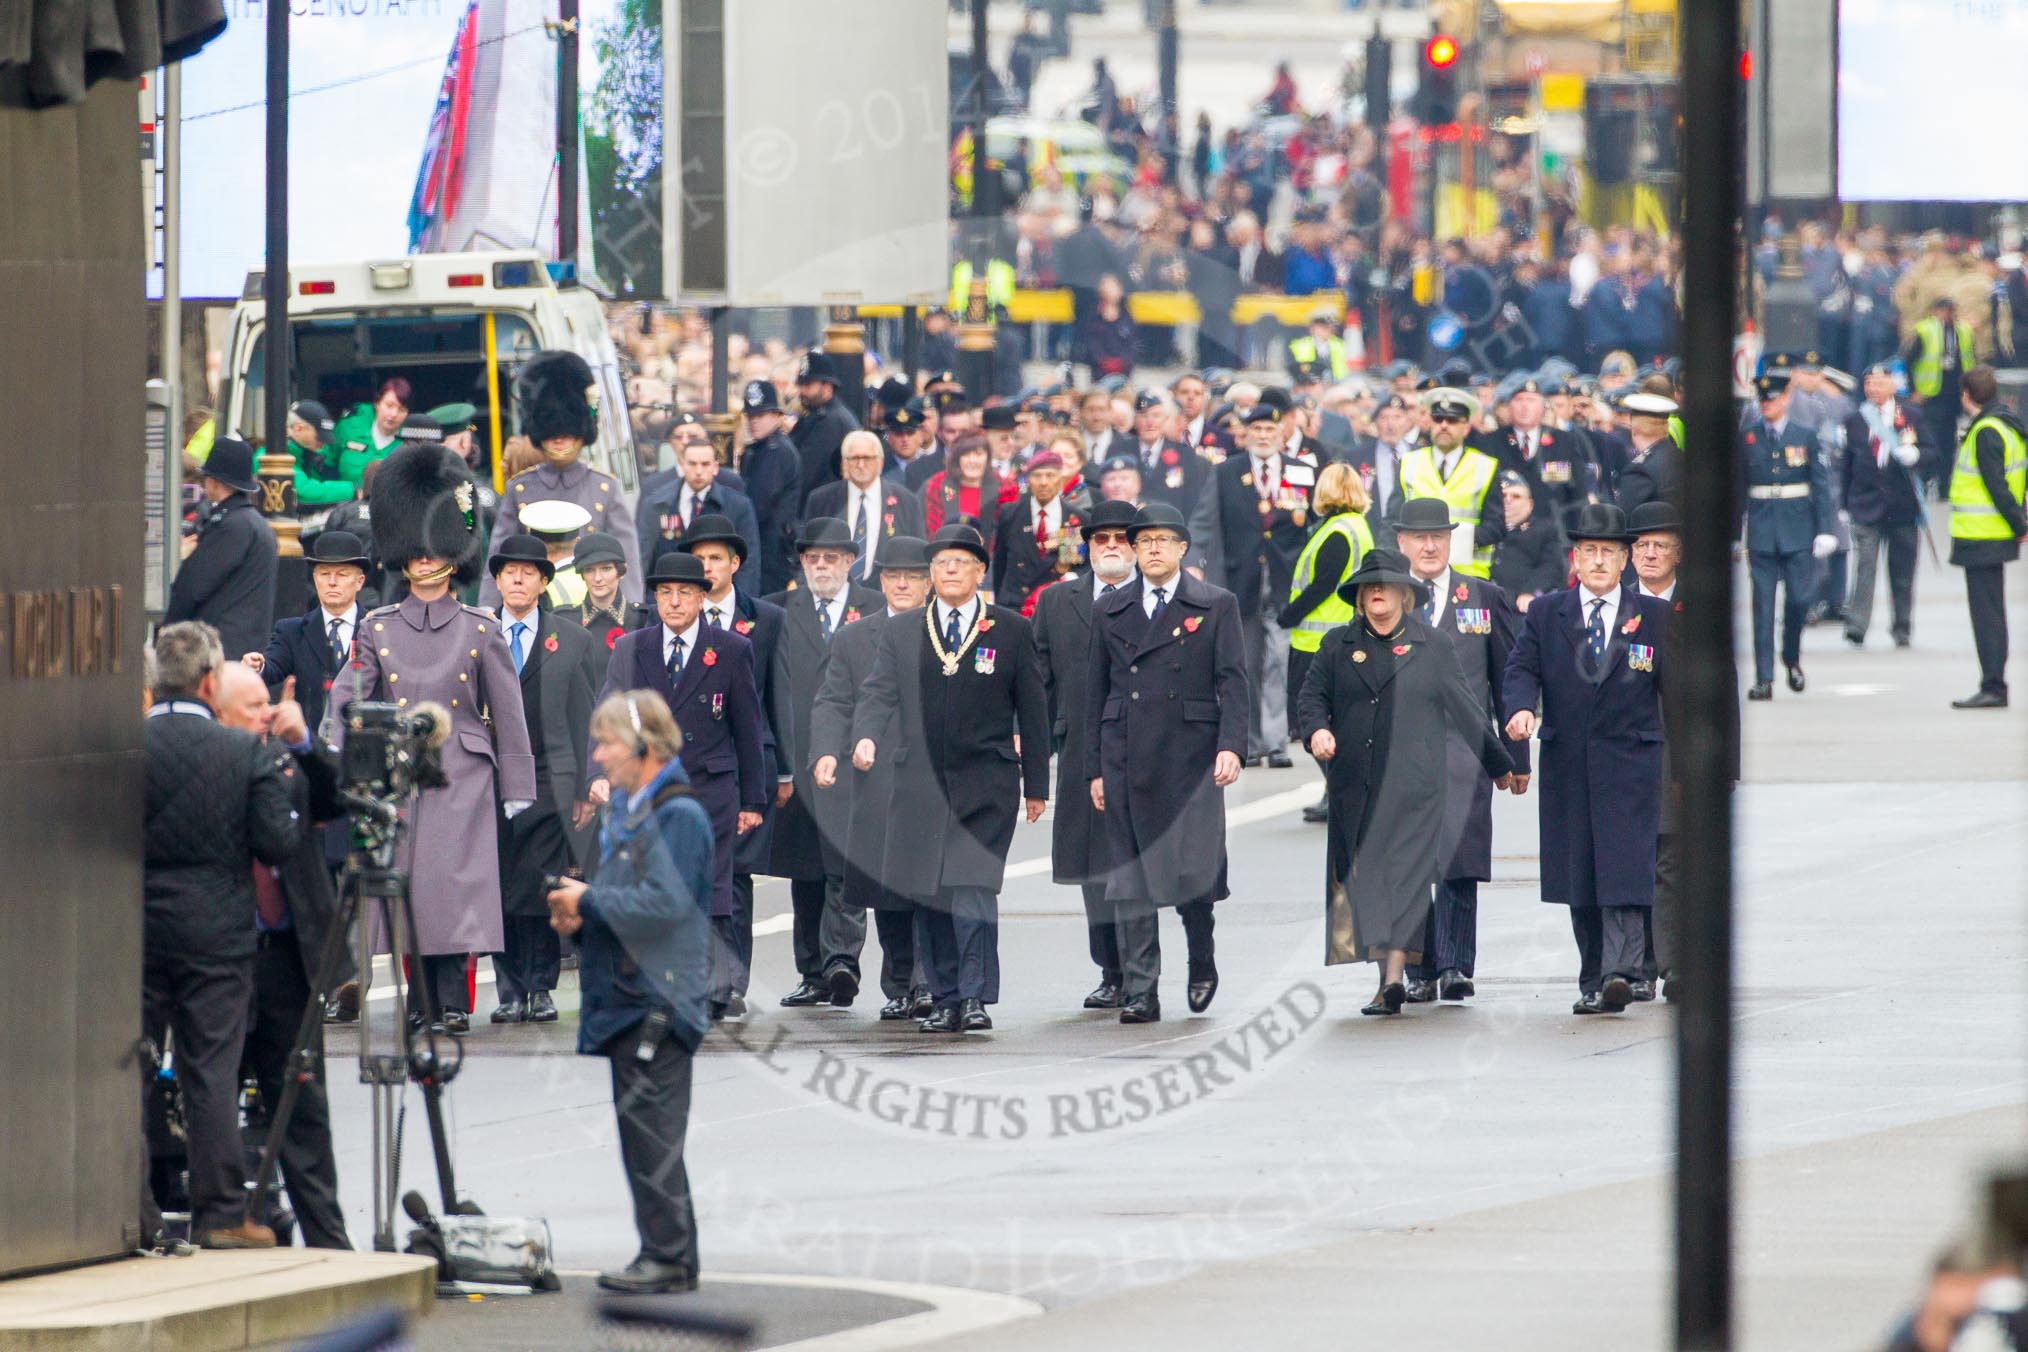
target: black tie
<point>1109,589</point>
<point>675,661</point>
<point>1161,600</point>
<point>337,648</point>
<point>824,619</point>
<point>951,636</point>
<point>859,532</point>
<point>1594,632</point>
<point>717,620</point>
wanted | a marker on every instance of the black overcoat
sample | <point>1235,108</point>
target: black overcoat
<point>797,850</point>
<point>1165,697</point>
<point>853,814</point>
<point>1481,623</point>
<point>1078,851</point>
<point>1602,744</point>
<point>958,780</point>
<point>761,622</point>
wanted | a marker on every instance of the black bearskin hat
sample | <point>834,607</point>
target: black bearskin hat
<point>551,394</point>
<point>425,503</point>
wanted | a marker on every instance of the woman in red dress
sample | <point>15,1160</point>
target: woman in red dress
<point>966,489</point>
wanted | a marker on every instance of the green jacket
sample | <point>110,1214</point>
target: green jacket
<point>318,483</point>
<point>352,442</point>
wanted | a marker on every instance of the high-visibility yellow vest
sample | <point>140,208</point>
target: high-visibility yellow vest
<point>566,588</point>
<point>1676,430</point>
<point>999,284</point>
<point>1927,375</point>
<point>1465,492</point>
<point>1303,351</point>
<point>1973,515</point>
<point>1334,609</point>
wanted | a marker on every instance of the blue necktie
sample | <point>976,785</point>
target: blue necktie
<point>1161,600</point>
<point>824,619</point>
<point>675,660</point>
<point>1594,632</point>
<point>338,653</point>
<point>517,647</point>
<point>952,638</point>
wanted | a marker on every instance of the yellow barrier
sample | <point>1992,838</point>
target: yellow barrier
<point>1164,309</point>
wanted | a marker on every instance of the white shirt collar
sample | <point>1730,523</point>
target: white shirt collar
<point>689,637</point>
<point>1607,615</point>
<point>508,619</point>
<point>183,706</point>
<point>729,607</point>
<point>1168,590</point>
<point>1049,512</point>
<point>1099,584</point>
<point>1668,593</point>
<point>965,614</point>
<point>349,617</point>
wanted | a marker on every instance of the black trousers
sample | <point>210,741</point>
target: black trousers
<point>530,961</point>
<point>957,936</point>
<point>1102,931</point>
<point>652,1101</point>
<point>1609,944</point>
<point>203,1003</point>
<point>1450,940</point>
<point>732,944</point>
<point>1797,574</point>
<point>443,976</point>
<point>1986,590</point>
<point>1661,934</point>
<point>900,973</point>
<point>1140,941</point>
<point>280,992</point>
<point>828,934</point>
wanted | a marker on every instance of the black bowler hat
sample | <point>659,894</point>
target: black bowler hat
<point>760,397</point>
<point>338,546</point>
<point>595,546</point>
<point>1158,516</point>
<point>816,366</point>
<point>231,462</point>
<point>1424,514</point>
<point>893,393</point>
<point>1600,521</point>
<point>998,418</point>
<point>1381,567</point>
<point>1110,515</point>
<point>903,553</point>
<point>713,529</point>
<point>522,548</point>
<point>673,565</point>
<point>1277,398</point>
<point>958,535</point>
<point>826,532</point>
<point>1653,518</point>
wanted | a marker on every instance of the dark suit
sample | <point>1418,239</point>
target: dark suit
<point>899,513</point>
<point>958,784</point>
<point>1176,475</point>
<point>229,579</point>
<point>300,646</point>
<point>1787,500</point>
<point>1601,767</point>
<point>562,665</point>
<point>285,975</point>
<point>661,515</point>
<point>827,935</point>
<point>1885,503</point>
<point>1021,567</point>
<point>774,484</point>
<point>1481,622</point>
<point>1652,475</point>
<point>1078,851</point>
<point>1563,474</point>
<point>716,702</point>
<point>759,622</point>
<point>1166,696</point>
<point>818,435</point>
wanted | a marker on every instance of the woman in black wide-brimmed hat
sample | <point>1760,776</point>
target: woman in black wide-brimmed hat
<point>1382,695</point>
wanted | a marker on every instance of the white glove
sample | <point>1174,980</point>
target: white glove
<point>1824,546</point>
<point>1905,454</point>
<point>513,807</point>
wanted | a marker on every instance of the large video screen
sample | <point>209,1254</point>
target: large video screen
<point>1932,100</point>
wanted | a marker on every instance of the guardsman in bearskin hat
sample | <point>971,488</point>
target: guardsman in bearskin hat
<point>431,648</point>
<point>552,395</point>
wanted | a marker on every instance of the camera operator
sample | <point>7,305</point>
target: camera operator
<point>216,804</point>
<point>644,939</point>
<point>293,907</point>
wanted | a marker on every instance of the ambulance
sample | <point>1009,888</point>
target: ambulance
<point>439,320</point>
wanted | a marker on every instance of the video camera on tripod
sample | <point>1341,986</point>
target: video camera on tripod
<point>390,755</point>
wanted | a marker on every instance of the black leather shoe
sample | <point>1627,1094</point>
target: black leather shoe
<point>805,994</point>
<point>735,1005</point>
<point>1643,991</point>
<point>1202,989</point>
<point>1279,760</point>
<point>1317,812</point>
<point>1105,996</point>
<point>647,1277</point>
<point>1796,679</point>
<point>941,1020</point>
<point>894,1009</point>
<point>718,1011</point>
<point>844,986</point>
<point>1615,995</point>
<point>1387,1000</point>
<point>919,1003</point>
<point>541,1008</point>
<point>1142,1009</point>
<point>456,1022</point>
<point>1985,699</point>
<point>1760,690</point>
<point>1588,1004</point>
<point>1670,986</point>
<point>509,1011</point>
<point>343,1007</point>
<point>973,1018</point>
<point>1455,985</point>
<point>1418,992</point>
<point>1901,641</point>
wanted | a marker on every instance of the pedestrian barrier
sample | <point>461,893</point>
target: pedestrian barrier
<point>1163,309</point>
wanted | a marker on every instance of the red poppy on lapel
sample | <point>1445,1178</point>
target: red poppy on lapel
<point>1631,625</point>
<point>711,657</point>
<point>613,637</point>
<point>1169,458</point>
<point>742,626</point>
<point>851,614</point>
<point>985,623</point>
<point>1401,650</point>
<point>1463,593</point>
<point>1190,625</point>
<point>1679,607</point>
<point>549,644</point>
<point>1749,438</point>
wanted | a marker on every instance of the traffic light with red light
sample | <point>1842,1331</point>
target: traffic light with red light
<point>1436,99</point>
